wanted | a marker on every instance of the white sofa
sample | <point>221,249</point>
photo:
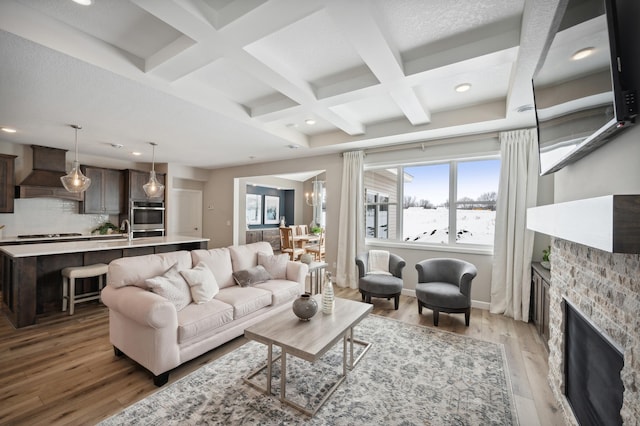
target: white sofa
<point>150,330</point>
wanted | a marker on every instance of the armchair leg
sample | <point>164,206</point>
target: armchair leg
<point>419,307</point>
<point>436,317</point>
<point>362,294</point>
<point>396,302</point>
<point>467,315</point>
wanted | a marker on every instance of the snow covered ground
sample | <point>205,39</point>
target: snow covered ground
<point>431,226</point>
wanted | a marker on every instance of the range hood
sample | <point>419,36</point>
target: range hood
<point>49,165</point>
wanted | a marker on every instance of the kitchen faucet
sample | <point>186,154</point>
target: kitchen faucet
<point>126,226</point>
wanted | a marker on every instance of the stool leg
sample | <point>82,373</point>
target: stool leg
<point>72,295</point>
<point>65,293</point>
<point>100,286</point>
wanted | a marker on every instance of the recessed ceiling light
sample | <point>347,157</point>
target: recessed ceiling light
<point>8,130</point>
<point>136,153</point>
<point>463,87</point>
<point>84,2</point>
<point>582,53</point>
<point>310,121</point>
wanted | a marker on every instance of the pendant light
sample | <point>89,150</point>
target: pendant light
<point>153,188</point>
<point>75,181</point>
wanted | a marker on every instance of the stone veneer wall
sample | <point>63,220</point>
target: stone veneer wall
<point>606,288</point>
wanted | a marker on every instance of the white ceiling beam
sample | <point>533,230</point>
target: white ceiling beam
<point>357,21</point>
<point>538,17</point>
<point>211,44</point>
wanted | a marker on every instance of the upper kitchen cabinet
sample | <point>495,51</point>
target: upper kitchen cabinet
<point>7,182</point>
<point>106,193</point>
<point>135,179</point>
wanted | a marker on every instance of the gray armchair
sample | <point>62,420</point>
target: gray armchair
<point>445,285</point>
<point>376,285</point>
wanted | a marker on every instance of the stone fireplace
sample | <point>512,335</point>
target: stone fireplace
<point>605,287</point>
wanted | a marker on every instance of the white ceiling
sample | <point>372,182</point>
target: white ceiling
<point>225,82</point>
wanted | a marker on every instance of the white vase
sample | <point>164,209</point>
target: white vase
<point>328,298</point>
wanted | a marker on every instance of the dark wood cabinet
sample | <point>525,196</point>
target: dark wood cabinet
<point>270,235</point>
<point>540,284</point>
<point>135,179</point>
<point>253,237</point>
<point>106,193</point>
<point>7,182</point>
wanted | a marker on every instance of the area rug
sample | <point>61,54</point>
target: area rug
<point>412,375</point>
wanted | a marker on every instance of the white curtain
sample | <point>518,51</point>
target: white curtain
<point>513,246</point>
<point>350,229</point>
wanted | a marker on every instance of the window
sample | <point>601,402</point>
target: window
<point>427,216</point>
<point>381,203</point>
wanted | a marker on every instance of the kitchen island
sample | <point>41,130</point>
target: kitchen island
<point>32,280</point>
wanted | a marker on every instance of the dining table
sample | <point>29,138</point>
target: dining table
<point>302,240</point>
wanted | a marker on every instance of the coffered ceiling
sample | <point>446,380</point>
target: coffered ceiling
<point>225,82</point>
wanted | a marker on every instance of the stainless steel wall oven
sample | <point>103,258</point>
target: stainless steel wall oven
<point>147,218</point>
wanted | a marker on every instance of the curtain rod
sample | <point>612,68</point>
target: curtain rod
<point>435,142</point>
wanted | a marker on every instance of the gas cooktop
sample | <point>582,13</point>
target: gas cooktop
<point>68,234</point>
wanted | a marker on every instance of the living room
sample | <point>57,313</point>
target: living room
<point>460,132</point>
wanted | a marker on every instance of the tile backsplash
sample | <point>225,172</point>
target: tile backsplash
<point>49,215</point>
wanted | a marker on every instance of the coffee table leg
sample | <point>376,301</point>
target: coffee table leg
<point>353,340</point>
<point>269,361</point>
<point>283,375</point>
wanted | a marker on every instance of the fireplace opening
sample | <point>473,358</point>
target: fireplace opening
<point>592,364</point>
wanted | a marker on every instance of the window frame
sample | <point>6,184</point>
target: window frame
<point>452,245</point>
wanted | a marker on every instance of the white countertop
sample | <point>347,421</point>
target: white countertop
<point>15,239</point>
<point>43,249</point>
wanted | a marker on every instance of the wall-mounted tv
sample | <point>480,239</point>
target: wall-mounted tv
<point>585,86</point>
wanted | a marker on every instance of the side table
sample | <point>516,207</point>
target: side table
<point>316,276</point>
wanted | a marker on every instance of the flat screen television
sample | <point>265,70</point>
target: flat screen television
<point>585,85</point>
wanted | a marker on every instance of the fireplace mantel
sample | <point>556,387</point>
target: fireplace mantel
<point>610,223</point>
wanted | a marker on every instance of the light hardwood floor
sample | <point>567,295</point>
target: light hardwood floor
<point>64,371</point>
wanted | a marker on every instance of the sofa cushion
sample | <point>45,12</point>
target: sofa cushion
<point>202,283</point>
<point>195,320</point>
<point>275,264</point>
<point>244,300</point>
<point>219,262</point>
<point>135,270</point>
<point>251,276</point>
<point>246,256</point>
<point>171,286</point>
<point>282,291</point>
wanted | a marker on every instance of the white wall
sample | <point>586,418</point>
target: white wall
<point>611,169</point>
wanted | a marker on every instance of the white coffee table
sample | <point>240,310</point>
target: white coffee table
<point>308,340</point>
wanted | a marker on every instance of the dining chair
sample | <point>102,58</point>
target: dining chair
<point>287,245</point>
<point>317,250</point>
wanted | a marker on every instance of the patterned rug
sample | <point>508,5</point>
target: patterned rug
<point>412,375</point>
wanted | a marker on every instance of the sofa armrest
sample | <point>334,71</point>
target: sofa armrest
<point>297,271</point>
<point>142,306</point>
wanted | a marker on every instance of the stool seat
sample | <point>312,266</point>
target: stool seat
<point>69,275</point>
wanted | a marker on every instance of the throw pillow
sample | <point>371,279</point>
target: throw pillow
<point>202,283</point>
<point>172,287</point>
<point>275,264</point>
<point>251,276</point>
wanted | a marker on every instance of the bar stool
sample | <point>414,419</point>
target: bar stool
<point>69,275</point>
